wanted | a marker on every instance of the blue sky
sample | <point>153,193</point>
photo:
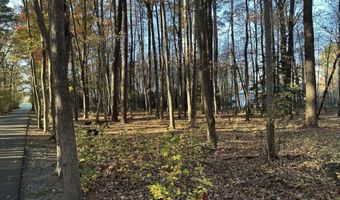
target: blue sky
<point>13,3</point>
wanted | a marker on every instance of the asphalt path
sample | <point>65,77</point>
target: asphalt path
<point>13,128</point>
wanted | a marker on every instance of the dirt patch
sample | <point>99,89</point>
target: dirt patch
<point>38,180</point>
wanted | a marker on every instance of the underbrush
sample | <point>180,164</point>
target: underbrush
<point>7,102</point>
<point>139,163</point>
<point>91,150</point>
<point>167,166</point>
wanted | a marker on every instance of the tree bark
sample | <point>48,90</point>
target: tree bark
<point>215,57</point>
<point>236,90</point>
<point>58,41</point>
<point>161,73</point>
<point>181,93</point>
<point>115,65</point>
<point>74,84</point>
<point>167,67</point>
<point>86,98</point>
<point>263,80</point>
<point>272,154</point>
<point>187,64</point>
<point>124,63</point>
<point>204,39</point>
<point>290,52</point>
<point>311,114</point>
<point>155,63</point>
<point>246,65</point>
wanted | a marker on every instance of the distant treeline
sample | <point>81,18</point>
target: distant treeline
<point>7,102</point>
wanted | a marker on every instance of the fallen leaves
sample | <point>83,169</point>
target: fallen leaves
<point>237,169</point>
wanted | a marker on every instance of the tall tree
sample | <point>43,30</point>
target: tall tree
<point>84,74</point>
<point>167,67</point>
<point>181,94</point>
<point>246,67</point>
<point>115,63</point>
<point>283,42</point>
<point>149,69</point>
<point>204,39</point>
<point>35,90</point>
<point>124,62</point>
<point>155,63</point>
<point>272,154</point>
<point>187,65</point>
<point>43,84</point>
<point>311,113</point>
<point>290,52</point>
<point>57,41</point>
<point>233,53</point>
<point>215,56</point>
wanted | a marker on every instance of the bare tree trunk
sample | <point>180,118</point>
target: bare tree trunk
<point>101,58</point>
<point>115,65</point>
<point>187,63</point>
<point>181,93</point>
<point>43,85</point>
<point>263,80</point>
<point>155,65</point>
<point>236,90</point>
<point>311,114</point>
<point>256,87</point>
<point>160,58</point>
<point>74,84</point>
<point>328,84</point>
<point>167,67</point>
<point>149,69</point>
<point>290,52</point>
<point>283,44</point>
<point>203,9</point>
<point>124,63</point>
<point>35,91</point>
<point>43,89</point>
<point>246,68</point>
<point>81,61</point>
<point>132,57</point>
<point>57,42</point>
<point>86,100</point>
<point>194,68</point>
<point>215,57</point>
<point>141,47</point>
<point>272,154</point>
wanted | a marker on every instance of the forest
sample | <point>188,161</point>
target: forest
<point>182,99</point>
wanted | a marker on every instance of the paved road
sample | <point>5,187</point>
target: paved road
<point>12,143</point>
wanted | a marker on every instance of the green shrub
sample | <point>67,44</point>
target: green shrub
<point>91,149</point>
<point>180,175</point>
<point>167,164</point>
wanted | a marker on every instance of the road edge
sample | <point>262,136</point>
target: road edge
<point>24,154</point>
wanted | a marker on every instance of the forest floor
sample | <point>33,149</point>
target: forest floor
<point>143,159</point>
<point>146,158</point>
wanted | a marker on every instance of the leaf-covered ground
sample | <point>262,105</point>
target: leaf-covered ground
<point>38,181</point>
<point>142,159</point>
